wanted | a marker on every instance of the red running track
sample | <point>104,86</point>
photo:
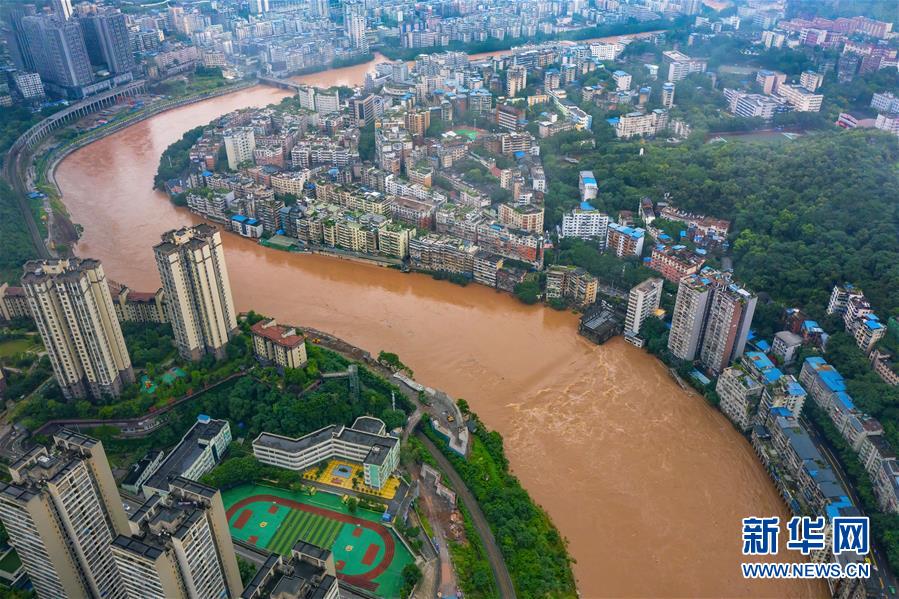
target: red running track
<point>361,580</point>
<point>244,517</point>
<point>370,554</point>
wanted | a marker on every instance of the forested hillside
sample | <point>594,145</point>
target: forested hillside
<point>807,213</point>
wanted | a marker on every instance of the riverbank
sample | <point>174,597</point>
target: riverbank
<point>494,46</point>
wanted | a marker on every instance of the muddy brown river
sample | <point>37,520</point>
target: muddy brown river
<point>647,482</point>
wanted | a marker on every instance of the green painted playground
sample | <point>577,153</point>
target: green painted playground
<point>149,386</point>
<point>471,134</point>
<point>367,554</point>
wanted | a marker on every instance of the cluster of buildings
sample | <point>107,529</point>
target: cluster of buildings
<point>887,107</point>
<point>295,170</point>
<point>766,404</point>
<point>808,485</point>
<point>68,52</point>
<point>860,321</point>
<point>76,538</point>
<point>66,520</point>
<point>849,302</point>
<point>777,96</point>
<point>74,51</point>
<point>587,223</point>
<point>861,432</point>
<point>72,304</point>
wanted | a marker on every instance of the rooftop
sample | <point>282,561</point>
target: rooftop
<point>185,454</point>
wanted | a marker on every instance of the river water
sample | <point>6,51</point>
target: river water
<point>647,482</point>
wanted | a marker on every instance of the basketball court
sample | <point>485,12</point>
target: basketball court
<point>366,553</point>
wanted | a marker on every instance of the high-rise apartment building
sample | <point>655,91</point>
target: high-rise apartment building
<point>355,24</point>
<point>688,317</point>
<point>29,85</point>
<point>191,263</point>
<point>727,324</point>
<point>239,145</point>
<point>178,547</point>
<point>73,310</point>
<point>667,94</point>
<point>586,222</point>
<point>107,41</point>
<point>62,8</point>
<point>320,8</point>
<point>259,6</point>
<point>625,241</point>
<point>62,512</point>
<point>680,65</point>
<point>712,316</point>
<point>59,54</point>
<point>516,80</point>
<point>642,301</point>
<point>811,80</point>
<point>17,41</point>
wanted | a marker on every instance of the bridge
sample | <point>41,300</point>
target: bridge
<point>282,83</point>
<point>74,112</point>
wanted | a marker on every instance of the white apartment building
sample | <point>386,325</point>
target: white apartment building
<point>622,80</point>
<point>642,301</point>
<point>680,65</point>
<point>587,185</point>
<point>639,124</point>
<point>586,222</point>
<point>240,143</point>
<point>191,263</point>
<point>885,102</point>
<point>29,85</point>
<point>73,310</point>
<point>606,51</point>
<point>326,103</point>
<point>739,393</point>
<point>199,451</point>
<point>801,99</point>
<point>355,24</point>
<point>887,122</point>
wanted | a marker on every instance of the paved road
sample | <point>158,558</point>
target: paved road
<point>494,556</point>
<point>11,172</point>
<point>883,577</point>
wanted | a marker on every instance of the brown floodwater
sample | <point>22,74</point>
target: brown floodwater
<point>647,482</point>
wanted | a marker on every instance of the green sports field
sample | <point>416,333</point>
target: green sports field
<point>366,553</point>
<point>318,530</point>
